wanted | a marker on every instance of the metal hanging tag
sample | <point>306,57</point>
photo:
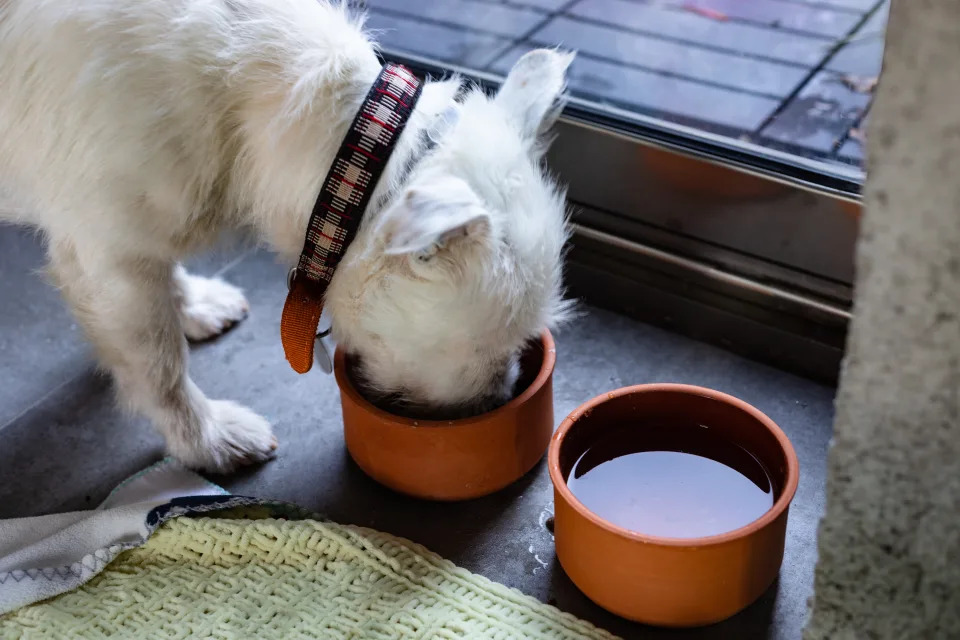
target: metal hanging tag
<point>323,351</point>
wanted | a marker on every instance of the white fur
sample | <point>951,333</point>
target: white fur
<point>133,131</point>
<point>208,306</point>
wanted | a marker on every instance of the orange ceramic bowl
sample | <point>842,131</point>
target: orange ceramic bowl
<point>459,459</point>
<point>671,582</point>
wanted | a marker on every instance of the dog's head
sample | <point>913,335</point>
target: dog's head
<point>461,265</point>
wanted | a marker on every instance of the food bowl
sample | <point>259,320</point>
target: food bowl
<point>671,581</point>
<point>458,459</point>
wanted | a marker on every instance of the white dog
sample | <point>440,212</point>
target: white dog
<point>133,131</point>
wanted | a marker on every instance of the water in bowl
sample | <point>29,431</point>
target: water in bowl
<point>671,480</point>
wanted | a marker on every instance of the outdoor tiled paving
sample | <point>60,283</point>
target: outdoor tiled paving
<point>787,74</point>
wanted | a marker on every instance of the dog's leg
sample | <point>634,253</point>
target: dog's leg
<point>208,306</point>
<point>130,310</point>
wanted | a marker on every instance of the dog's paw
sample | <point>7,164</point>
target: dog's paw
<point>232,436</point>
<point>210,306</point>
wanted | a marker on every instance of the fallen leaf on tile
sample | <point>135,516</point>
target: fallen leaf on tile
<point>706,12</point>
<point>859,84</point>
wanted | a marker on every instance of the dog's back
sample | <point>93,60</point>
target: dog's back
<point>157,108</point>
<point>106,107</point>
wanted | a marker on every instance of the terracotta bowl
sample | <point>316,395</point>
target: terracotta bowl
<point>460,459</point>
<point>672,582</point>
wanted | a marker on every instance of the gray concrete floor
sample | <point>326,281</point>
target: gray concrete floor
<point>64,445</point>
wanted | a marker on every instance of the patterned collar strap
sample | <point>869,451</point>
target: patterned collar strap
<point>340,206</point>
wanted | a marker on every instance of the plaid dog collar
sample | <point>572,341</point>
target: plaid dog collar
<point>341,204</point>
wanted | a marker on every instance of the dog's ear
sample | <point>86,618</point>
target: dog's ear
<point>441,211</point>
<point>529,94</point>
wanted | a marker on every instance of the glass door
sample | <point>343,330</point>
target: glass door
<point>713,147</point>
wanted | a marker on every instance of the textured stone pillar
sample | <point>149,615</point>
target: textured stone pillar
<point>890,541</point>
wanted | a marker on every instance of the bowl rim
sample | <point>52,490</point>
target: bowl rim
<point>775,511</point>
<point>546,370</point>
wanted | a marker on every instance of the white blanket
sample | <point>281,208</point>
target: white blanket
<point>44,556</point>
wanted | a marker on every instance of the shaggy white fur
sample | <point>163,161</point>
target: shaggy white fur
<point>133,131</point>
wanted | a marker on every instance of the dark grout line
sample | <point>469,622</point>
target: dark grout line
<point>715,128</point>
<point>839,8</point>
<point>647,34</point>
<point>813,72</point>
<point>692,43</point>
<point>823,6</point>
<point>679,8</point>
<point>529,33</point>
<point>667,74</point>
<point>763,25</point>
<point>440,23</point>
<point>515,5</point>
<point>532,43</point>
<point>498,3</point>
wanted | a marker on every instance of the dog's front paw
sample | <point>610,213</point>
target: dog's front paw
<point>210,306</point>
<point>232,436</point>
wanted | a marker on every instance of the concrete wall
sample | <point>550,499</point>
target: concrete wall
<point>890,541</point>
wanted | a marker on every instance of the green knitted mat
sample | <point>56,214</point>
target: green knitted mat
<point>238,579</point>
